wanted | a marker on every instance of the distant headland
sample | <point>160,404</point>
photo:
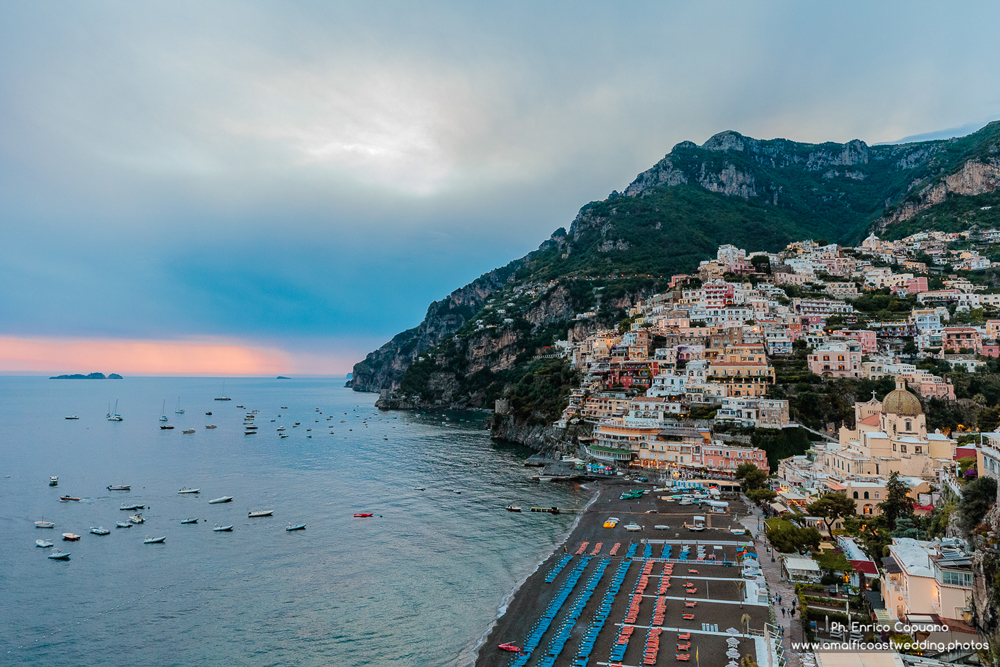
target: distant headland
<point>89,376</point>
<point>282,377</point>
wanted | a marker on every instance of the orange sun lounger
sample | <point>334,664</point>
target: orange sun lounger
<point>683,656</point>
<point>684,635</point>
<point>688,617</point>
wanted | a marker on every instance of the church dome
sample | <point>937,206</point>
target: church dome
<point>901,402</point>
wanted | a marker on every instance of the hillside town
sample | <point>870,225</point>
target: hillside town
<point>686,387</point>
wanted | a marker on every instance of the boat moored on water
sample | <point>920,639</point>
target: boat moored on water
<point>136,519</point>
<point>223,499</point>
<point>513,508</point>
<point>131,508</point>
<point>363,515</point>
<point>66,499</point>
<point>72,417</point>
<point>222,529</point>
<point>70,537</point>
<point>194,520</point>
<point>259,513</point>
<point>120,487</point>
<point>45,544</point>
<point>154,540</point>
<point>100,530</point>
<point>44,524</point>
<point>168,427</point>
<point>114,416</point>
<point>122,524</point>
<point>184,489</point>
<point>189,431</point>
<point>54,480</point>
<point>59,555</point>
<point>211,426</point>
<point>295,526</point>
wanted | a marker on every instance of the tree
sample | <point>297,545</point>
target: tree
<point>897,502</point>
<point>762,495</point>
<point>830,507</point>
<point>907,527</point>
<point>751,477</point>
<point>977,498</point>
<point>832,562</point>
<point>787,537</point>
<point>910,348</point>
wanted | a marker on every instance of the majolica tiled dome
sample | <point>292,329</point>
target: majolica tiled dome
<point>901,402</point>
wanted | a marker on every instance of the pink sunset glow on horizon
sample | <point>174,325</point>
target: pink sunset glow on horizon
<point>159,357</point>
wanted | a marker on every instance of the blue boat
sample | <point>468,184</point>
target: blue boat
<point>59,555</point>
<point>298,526</point>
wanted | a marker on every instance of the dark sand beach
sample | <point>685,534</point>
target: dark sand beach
<point>717,596</point>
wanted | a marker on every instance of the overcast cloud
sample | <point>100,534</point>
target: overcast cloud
<point>309,176</point>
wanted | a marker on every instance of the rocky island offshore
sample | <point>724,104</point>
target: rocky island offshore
<point>89,376</point>
<point>816,325</point>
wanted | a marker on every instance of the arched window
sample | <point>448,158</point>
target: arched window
<point>908,426</point>
<point>866,495</point>
<point>855,495</point>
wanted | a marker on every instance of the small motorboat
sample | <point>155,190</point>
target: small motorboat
<point>45,544</point>
<point>363,515</point>
<point>59,555</point>
<point>210,426</point>
<point>131,508</point>
<point>54,480</point>
<point>71,537</point>
<point>188,431</point>
<point>119,487</point>
<point>296,526</point>
<point>154,540</point>
<point>44,524</point>
<point>249,432</point>
<point>100,530</point>
<point>509,647</point>
<point>184,489</point>
<point>259,513</point>
<point>632,527</point>
<point>122,524</point>
<point>420,488</point>
<point>223,499</point>
<point>284,407</point>
<point>281,428</point>
<point>513,508</point>
<point>239,406</point>
<point>66,499</point>
<point>136,519</point>
<point>208,414</point>
<point>223,529</point>
<point>194,520</point>
<point>72,417</point>
<point>167,428</point>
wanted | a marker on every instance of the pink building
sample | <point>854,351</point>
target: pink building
<point>911,287</point>
<point>957,338</point>
<point>867,339</point>
<point>727,458</point>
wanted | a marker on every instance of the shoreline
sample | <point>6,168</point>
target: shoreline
<point>507,599</point>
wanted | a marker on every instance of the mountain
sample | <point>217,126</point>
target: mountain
<point>752,193</point>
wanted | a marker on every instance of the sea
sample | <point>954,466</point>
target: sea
<point>419,583</point>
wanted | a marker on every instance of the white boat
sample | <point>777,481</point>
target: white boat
<point>184,489</point>
<point>44,524</point>
<point>179,410</point>
<point>71,537</point>
<point>114,416</point>
<point>223,397</point>
<point>59,555</point>
<point>137,519</point>
<point>154,540</point>
<point>194,520</point>
<point>122,524</point>
<point>119,487</point>
<point>223,529</point>
<point>72,417</point>
<point>100,530</point>
<point>223,499</point>
<point>297,526</point>
<point>45,544</point>
<point>281,428</point>
<point>54,480</point>
<point>259,513</point>
<point>163,411</point>
<point>632,527</point>
<point>131,508</point>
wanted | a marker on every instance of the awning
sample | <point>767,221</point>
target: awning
<point>779,508</point>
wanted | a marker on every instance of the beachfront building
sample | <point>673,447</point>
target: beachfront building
<point>677,448</point>
<point>927,578</point>
<point>719,458</point>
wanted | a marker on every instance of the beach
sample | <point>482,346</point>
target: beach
<point>718,591</point>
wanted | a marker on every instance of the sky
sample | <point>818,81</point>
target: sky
<point>271,187</point>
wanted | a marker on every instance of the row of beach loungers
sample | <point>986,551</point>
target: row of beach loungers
<point>543,623</point>
<point>562,636</point>
<point>603,611</point>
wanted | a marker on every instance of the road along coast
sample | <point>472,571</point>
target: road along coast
<point>645,597</point>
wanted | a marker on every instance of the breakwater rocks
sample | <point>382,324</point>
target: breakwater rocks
<point>540,437</point>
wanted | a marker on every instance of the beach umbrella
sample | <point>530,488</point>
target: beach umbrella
<point>733,631</point>
<point>733,653</point>
<point>733,641</point>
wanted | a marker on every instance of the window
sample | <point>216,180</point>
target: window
<point>866,495</point>
<point>908,425</point>
<point>855,495</point>
<point>902,449</point>
<point>876,495</point>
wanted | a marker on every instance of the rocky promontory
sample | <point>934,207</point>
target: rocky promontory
<point>89,376</point>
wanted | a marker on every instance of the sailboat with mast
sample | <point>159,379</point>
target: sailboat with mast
<point>223,397</point>
<point>114,416</point>
<point>179,410</point>
<point>163,411</point>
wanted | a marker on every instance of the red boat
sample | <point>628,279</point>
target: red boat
<point>509,647</point>
<point>67,498</point>
<point>362,515</point>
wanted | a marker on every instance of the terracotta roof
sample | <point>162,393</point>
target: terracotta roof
<point>864,566</point>
<point>871,420</point>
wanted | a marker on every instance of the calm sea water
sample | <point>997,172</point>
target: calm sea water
<point>418,584</point>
